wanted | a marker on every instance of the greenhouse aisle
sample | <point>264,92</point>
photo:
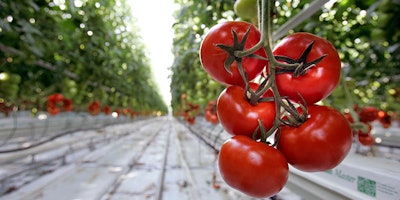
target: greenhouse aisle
<point>157,158</point>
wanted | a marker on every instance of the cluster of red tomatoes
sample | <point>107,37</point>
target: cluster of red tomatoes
<point>94,108</point>
<point>263,99</point>
<point>57,103</point>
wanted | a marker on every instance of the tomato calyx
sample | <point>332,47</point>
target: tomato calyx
<point>303,66</point>
<point>237,46</point>
<point>295,116</point>
<point>255,97</point>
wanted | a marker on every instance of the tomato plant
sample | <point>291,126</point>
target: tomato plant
<point>238,116</point>
<point>320,143</point>
<point>319,73</point>
<point>213,58</point>
<point>252,167</point>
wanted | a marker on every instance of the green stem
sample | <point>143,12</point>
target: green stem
<point>265,26</point>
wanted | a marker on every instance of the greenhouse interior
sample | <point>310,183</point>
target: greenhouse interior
<point>199,99</point>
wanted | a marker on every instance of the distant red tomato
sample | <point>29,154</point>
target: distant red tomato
<point>67,105</point>
<point>94,108</point>
<point>213,57</point>
<point>107,110</point>
<point>366,139</point>
<point>368,114</point>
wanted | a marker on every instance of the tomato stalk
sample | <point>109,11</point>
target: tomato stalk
<point>265,24</point>
<point>266,33</point>
<point>294,117</point>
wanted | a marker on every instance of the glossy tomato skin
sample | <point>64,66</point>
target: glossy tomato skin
<point>320,143</point>
<point>238,116</point>
<point>319,81</point>
<point>252,167</point>
<point>212,57</point>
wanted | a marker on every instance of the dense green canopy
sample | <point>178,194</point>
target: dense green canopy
<point>86,50</point>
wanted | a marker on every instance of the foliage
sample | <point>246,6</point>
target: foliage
<point>366,34</point>
<point>193,20</point>
<point>86,50</point>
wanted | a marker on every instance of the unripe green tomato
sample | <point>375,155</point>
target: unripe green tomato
<point>246,9</point>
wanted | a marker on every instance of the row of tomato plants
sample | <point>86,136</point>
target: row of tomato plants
<point>57,103</point>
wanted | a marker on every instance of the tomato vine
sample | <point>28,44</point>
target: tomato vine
<point>300,126</point>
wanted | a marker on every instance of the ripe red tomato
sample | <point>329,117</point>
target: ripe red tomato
<point>317,82</point>
<point>67,105</point>
<point>385,119</point>
<point>213,57</point>
<point>349,118</point>
<point>55,98</point>
<point>320,143</point>
<point>107,110</point>
<point>190,119</point>
<point>94,108</point>
<point>252,167</point>
<point>238,116</point>
<point>52,110</point>
<point>366,139</point>
<point>368,114</point>
<point>211,117</point>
